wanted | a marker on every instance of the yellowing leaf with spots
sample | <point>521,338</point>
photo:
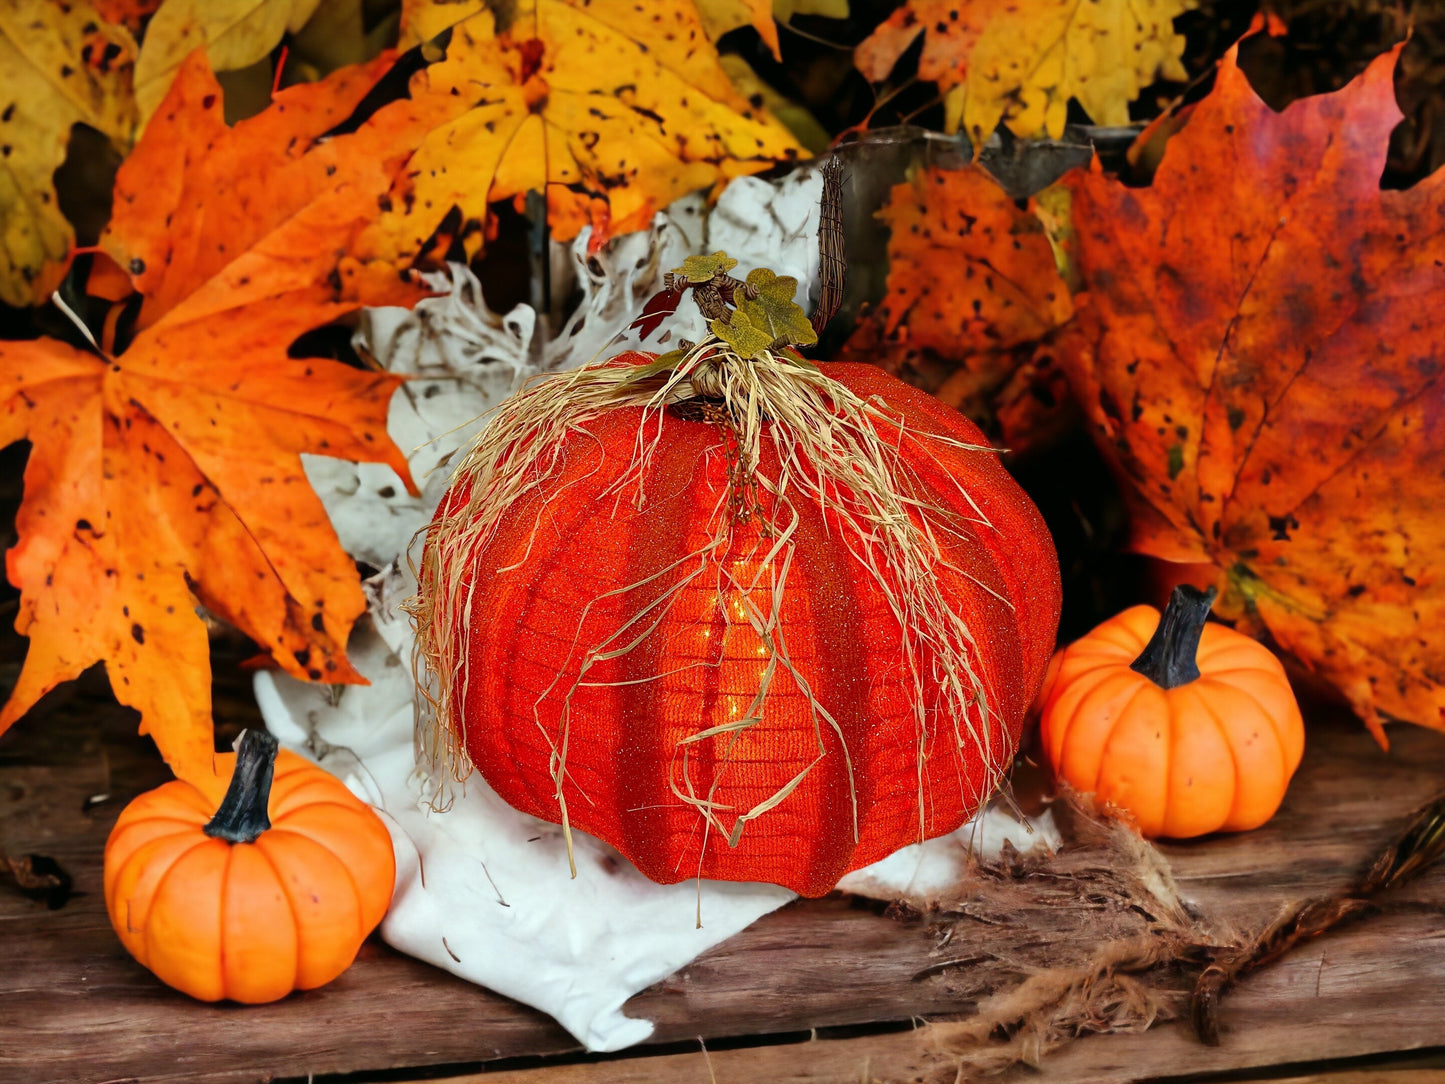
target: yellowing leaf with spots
<point>60,65</point>
<point>1021,63</point>
<point>235,34</point>
<point>165,472</point>
<point>615,107</point>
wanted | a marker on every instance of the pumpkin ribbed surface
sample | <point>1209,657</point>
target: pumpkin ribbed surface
<point>592,605</point>
<point>1213,754</point>
<point>248,922</point>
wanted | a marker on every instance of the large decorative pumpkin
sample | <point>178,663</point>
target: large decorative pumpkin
<point>739,615</point>
<point>269,889</point>
<point>1191,727</point>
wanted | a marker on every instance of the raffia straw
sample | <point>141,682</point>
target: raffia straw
<point>834,450</point>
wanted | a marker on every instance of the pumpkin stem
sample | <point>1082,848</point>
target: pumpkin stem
<point>1168,659</point>
<point>242,815</point>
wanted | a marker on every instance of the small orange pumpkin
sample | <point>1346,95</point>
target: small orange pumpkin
<point>273,891</point>
<point>1191,727</point>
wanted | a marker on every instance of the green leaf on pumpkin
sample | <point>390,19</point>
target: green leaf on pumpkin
<point>663,363</point>
<point>746,339</point>
<point>774,311</point>
<point>699,269</point>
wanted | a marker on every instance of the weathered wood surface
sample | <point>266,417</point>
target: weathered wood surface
<point>901,1056</point>
<point>78,1009</point>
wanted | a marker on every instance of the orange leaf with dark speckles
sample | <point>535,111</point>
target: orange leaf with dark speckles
<point>1259,348</point>
<point>170,475</point>
<point>973,292</point>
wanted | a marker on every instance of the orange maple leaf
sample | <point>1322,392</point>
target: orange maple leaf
<point>973,292</point>
<point>598,101</point>
<point>170,474</point>
<point>1255,348</point>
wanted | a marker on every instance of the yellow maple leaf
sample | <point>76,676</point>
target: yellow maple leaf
<point>422,20</point>
<point>722,16</point>
<point>235,33</point>
<point>784,10</point>
<point>590,102</point>
<point>60,65</point>
<point>1021,63</point>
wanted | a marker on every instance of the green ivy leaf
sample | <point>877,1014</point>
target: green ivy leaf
<point>663,363</point>
<point>699,269</point>
<point>774,311</point>
<point>747,339</point>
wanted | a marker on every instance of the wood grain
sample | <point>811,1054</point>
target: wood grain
<point>79,1009</point>
<point>873,1059</point>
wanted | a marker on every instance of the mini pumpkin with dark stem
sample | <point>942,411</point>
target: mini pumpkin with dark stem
<point>269,889</point>
<point>1191,727</point>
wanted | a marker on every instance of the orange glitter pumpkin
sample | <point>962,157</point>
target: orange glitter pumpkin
<point>675,652</point>
<point>1191,727</point>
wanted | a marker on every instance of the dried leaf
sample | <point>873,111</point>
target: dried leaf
<point>634,111</point>
<point>1257,351</point>
<point>1021,63</point>
<point>221,216</point>
<point>235,34</point>
<point>60,65</point>
<point>967,270</point>
<point>171,473</point>
<point>973,291</point>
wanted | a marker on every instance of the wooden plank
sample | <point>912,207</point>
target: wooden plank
<point>1370,1076</point>
<point>860,1060</point>
<point>79,1009</point>
<point>878,1059</point>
